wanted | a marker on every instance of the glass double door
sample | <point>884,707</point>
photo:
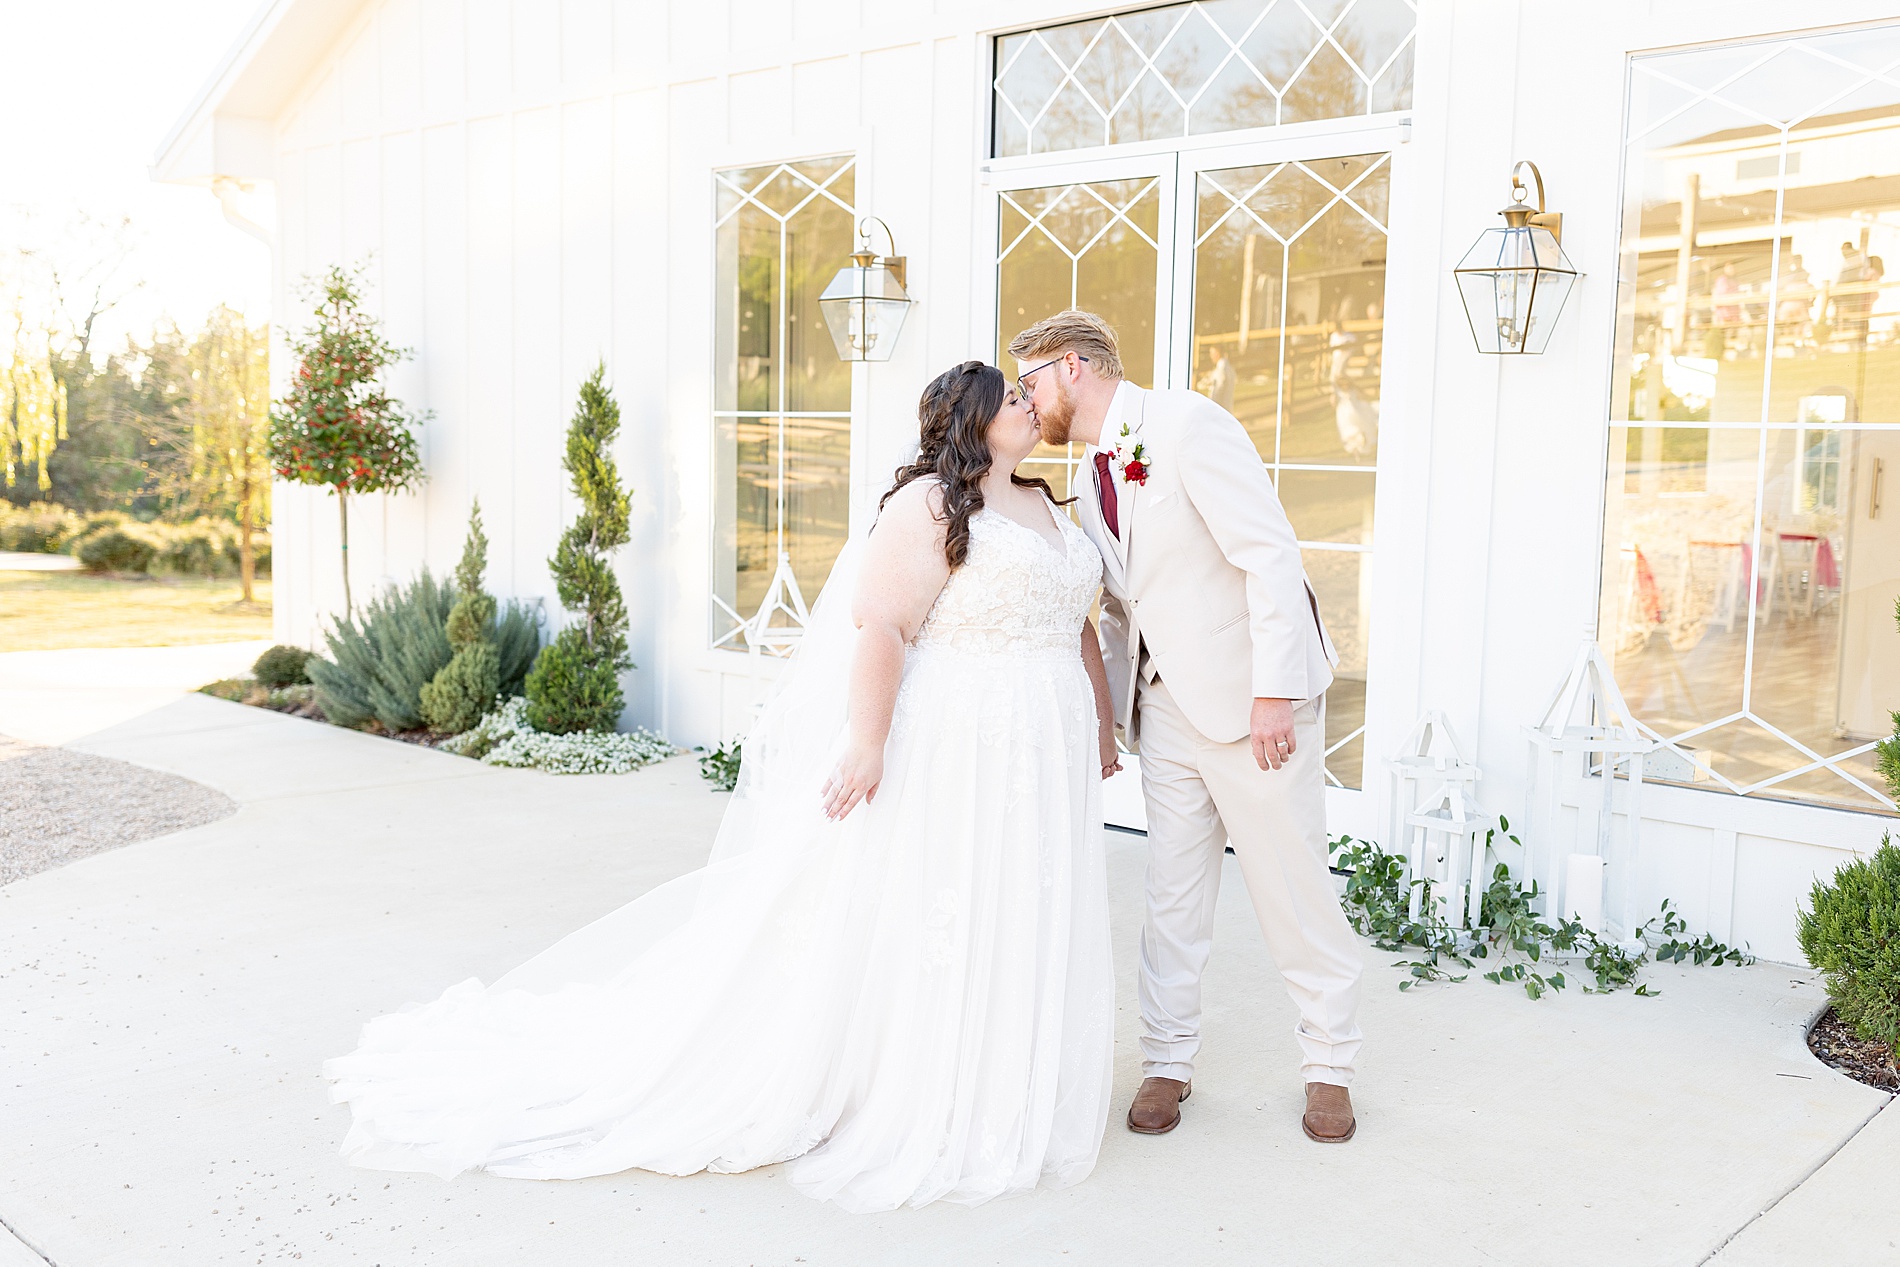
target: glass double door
<point>1256,276</point>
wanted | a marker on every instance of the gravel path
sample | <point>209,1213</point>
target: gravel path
<point>58,806</point>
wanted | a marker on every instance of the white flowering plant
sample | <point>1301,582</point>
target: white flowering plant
<point>505,738</point>
<point>290,696</point>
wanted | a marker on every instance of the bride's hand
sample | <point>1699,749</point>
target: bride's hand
<point>1111,755</point>
<point>857,777</point>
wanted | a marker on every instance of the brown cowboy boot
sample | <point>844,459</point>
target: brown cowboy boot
<point>1328,1118</point>
<point>1157,1106</point>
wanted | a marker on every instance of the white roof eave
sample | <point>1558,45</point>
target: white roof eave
<point>227,130</point>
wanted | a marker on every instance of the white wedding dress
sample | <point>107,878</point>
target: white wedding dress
<point>915,1003</point>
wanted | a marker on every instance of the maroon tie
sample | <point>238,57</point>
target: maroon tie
<point>1106,483</point>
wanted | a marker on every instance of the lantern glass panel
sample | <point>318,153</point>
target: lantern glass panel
<point>1547,300</point>
<point>1514,282</point>
<point>864,310</point>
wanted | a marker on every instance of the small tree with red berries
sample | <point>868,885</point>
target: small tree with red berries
<point>338,426</point>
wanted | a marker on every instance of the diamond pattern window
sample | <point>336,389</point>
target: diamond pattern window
<point>1289,333</point>
<point>1208,66</point>
<point>1088,245</point>
<point>781,398</point>
<point>1752,537</point>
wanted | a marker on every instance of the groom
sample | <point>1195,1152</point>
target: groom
<point>1217,665</point>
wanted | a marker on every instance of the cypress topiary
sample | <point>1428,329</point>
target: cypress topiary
<point>1851,932</point>
<point>575,682</point>
<point>463,691</point>
<point>455,699</point>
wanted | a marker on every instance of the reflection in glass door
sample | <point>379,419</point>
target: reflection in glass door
<point>1288,333</point>
<point>1089,244</point>
<point>1751,550</point>
<point>1284,327</point>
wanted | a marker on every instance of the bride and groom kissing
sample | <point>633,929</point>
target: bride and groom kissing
<point>894,971</point>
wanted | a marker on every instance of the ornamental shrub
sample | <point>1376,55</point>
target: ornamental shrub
<point>96,522</point>
<point>126,547</point>
<point>465,689</point>
<point>115,542</point>
<point>38,528</point>
<point>575,685</point>
<point>100,519</point>
<point>1851,932</point>
<point>282,666</point>
<point>570,689</point>
<point>203,547</point>
<point>516,636</point>
<point>380,661</point>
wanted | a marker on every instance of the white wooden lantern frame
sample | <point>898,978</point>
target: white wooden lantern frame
<point>1586,732</point>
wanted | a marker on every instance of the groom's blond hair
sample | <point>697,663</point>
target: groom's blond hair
<point>1071,330</point>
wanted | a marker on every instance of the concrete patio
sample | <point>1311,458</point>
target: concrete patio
<point>168,1005</point>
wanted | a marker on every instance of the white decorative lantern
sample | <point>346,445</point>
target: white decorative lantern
<point>865,304</point>
<point>1586,732</point>
<point>1439,826</point>
<point>1444,842</point>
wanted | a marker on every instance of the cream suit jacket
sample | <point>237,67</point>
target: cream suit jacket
<point>1206,574</point>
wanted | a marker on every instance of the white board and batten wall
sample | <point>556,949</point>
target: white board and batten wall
<point>532,183</point>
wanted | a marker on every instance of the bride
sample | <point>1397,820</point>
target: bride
<point>895,968</point>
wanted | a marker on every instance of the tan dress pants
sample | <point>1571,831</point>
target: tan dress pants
<point>1202,796</point>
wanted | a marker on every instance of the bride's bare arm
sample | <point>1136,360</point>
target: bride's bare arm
<point>1104,706</point>
<point>903,571</point>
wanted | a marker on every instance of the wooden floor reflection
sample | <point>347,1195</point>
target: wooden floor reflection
<point>1795,683</point>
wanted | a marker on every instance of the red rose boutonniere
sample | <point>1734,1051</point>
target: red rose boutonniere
<point>1134,463</point>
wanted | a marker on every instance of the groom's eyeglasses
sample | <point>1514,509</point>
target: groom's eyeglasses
<point>1022,380</point>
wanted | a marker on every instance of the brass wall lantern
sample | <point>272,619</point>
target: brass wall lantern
<point>865,304</point>
<point>1515,279</point>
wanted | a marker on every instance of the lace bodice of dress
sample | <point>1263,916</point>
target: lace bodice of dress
<point>1015,594</point>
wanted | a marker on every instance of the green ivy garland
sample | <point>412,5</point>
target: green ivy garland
<point>1377,901</point>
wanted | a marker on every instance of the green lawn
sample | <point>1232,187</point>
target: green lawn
<point>43,611</point>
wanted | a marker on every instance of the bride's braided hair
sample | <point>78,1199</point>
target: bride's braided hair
<point>954,414</point>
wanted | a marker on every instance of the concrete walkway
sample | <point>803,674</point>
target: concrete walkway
<point>1845,1213</point>
<point>167,1007</point>
<point>55,697</point>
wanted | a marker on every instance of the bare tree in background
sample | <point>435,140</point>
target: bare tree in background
<point>86,276</point>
